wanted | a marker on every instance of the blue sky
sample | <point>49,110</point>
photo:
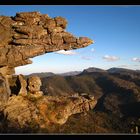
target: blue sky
<point>114,29</point>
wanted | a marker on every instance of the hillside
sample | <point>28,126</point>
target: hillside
<point>42,74</point>
<point>117,91</point>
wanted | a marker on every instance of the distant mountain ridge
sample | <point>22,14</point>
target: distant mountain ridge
<point>71,73</point>
<point>48,74</point>
<point>89,70</point>
<point>113,88</point>
<point>42,74</point>
<point>93,69</point>
<point>118,70</point>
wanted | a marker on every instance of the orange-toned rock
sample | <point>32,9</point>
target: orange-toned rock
<point>44,111</point>
<point>29,34</point>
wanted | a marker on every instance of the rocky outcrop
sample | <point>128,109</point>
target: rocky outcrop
<point>24,36</point>
<point>31,86</point>
<point>29,34</point>
<point>5,76</point>
<point>34,84</point>
<point>23,86</point>
<point>29,111</point>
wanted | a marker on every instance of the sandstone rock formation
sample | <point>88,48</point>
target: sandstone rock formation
<point>29,34</point>
<point>26,112</point>
<point>31,109</point>
<point>24,36</point>
<point>34,84</point>
<point>23,84</point>
<point>4,91</point>
<point>5,75</point>
<point>31,86</point>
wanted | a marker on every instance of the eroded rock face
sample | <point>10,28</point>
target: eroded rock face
<point>30,34</point>
<point>4,91</point>
<point>24,36</point>
<point>5,75</point>
<point>23,84</point>
<point>34,84</point>
<point>26,111</point>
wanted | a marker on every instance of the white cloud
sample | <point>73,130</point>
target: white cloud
<point>126,66</point>
<point>136,65</point>
<point>93,50</point>
<point>136,59</point>
<point>111,58</point>
<point>66,52</point>
<point>86,58</point>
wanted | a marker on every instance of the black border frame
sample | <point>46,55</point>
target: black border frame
<point>69,2</point>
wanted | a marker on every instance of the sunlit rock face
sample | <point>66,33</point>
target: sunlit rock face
<point>29,34</point>
<point>32,108</point>
<point>43,111</point>
<point>24,36</point>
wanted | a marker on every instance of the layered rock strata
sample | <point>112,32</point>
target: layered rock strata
<point>29,34</point>
<point>24,36</point>
<point>41,112</point>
